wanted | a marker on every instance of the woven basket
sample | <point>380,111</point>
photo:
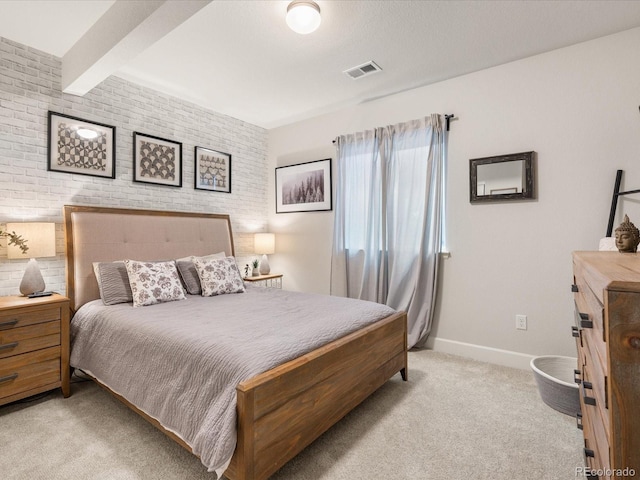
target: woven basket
<point>554,376</point>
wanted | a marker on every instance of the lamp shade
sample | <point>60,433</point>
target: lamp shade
<point>40,238</point>
<point>303,16</point>
<point>265,243</point>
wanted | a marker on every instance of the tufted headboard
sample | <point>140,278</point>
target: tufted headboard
<point>99,234</point>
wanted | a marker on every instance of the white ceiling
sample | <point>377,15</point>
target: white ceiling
<point>239,57</point>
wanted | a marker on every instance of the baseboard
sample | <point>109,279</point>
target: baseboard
<point>479,352</point>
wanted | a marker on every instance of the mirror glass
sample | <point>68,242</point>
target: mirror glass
<point>505,177</point>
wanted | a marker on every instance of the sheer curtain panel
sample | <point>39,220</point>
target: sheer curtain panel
<point>388,218</point>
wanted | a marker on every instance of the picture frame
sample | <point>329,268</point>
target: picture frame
<point>157,160</point>
<point>503,191</point>
<point>304,187</point>
<point>81,147</point>
<point>212,170</point>
<point>503,178</point>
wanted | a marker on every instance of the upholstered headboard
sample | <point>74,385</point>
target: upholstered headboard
<point>98,234</point>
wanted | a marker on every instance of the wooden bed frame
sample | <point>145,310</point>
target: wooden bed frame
<point>280,411</point>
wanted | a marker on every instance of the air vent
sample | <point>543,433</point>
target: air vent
<point>362,70</point>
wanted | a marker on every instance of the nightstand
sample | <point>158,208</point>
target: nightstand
<point>271,280</point>
<point>34,346</point>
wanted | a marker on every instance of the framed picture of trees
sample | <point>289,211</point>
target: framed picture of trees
<point>305,187</point>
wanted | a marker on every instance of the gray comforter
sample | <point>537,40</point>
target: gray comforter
<point>180,361</point>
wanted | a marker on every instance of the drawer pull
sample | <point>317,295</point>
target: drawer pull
<point>579,421</point>
<point>575,332</point>
<point>8,324</point>
<point>8,346</point>
<point>8,378</point>
<point>584,321</point>
<point>576,377</point>
<point>589,453</point>
<point>574,288</point>
<point>587,400</point>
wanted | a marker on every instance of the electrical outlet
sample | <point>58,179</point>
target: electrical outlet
<point>521,322</point>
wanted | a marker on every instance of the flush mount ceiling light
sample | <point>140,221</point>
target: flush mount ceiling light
<point>87,133</point>
<point>303,16</point>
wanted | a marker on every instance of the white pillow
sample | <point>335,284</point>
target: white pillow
<point>188,273</point>
<point>219,276</point>
<point>154,282</point>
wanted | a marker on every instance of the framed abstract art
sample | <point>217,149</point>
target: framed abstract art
<point>157,160</point>
<point>212,170</point>
<point>81,146</point>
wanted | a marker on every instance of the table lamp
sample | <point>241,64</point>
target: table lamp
<point>265,244</point>
<point>41,240</point>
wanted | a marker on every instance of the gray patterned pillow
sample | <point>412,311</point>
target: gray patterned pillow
<point>219,276</point>
<point>188,272</point>
<point>154,282</point>
<point>113,282</point>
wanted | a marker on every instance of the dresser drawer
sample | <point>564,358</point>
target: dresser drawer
<point>588,303</point>
<point>16,341</point>
<point>27,316</point>
<point>20,373</point>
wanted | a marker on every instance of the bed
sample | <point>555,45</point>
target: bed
<point>278,411</point>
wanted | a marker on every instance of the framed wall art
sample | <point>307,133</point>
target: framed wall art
<point>305,187</point>
<point>157,160</point>
<point>81,146</point>
<point>212,170</point>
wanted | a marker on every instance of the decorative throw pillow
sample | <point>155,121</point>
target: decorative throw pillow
<point>219,276</point>
<point>154,282</point>
<point>188,272</point>
<point>113,282</point>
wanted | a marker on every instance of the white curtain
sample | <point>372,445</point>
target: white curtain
<point>388,218</point>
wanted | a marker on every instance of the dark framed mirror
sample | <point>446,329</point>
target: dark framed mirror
<point>502,178</point>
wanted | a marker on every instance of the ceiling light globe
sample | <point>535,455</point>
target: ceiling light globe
<point>303,16</point>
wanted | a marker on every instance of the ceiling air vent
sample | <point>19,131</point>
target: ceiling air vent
<point>363,70</point>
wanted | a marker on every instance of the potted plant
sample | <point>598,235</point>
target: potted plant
<point>255,272</point>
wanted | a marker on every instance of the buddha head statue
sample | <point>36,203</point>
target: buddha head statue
<point>627,236</point>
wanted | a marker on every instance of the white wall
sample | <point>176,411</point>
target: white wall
<point>30,86</point>
<point>578,109</point>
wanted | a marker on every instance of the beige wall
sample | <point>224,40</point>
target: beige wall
<point>578,109</point>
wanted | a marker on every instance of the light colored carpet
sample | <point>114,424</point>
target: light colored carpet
<point>455,419</point>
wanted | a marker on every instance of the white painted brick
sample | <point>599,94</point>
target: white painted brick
<point>30,87</point>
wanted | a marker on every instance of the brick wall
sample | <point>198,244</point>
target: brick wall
<point>30,87</point>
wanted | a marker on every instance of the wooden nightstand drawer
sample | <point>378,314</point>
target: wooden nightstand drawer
<point>29,371</point>
<point>27,316</point>
<point>34,346</point>
<point>27,339</point>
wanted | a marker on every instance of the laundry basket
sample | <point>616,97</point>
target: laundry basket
<point>554,377</point>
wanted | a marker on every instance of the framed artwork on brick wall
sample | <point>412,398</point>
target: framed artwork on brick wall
<point>81,146</point>
<point>157,160</point>
<point>212,170</point>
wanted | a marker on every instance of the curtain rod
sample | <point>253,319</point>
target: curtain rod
<point>447,117</point>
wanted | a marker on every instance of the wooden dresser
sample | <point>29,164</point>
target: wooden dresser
<point>607,298</point>
<point>34,346</point>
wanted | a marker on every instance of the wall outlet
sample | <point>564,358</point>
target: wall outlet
<point>521,322</point>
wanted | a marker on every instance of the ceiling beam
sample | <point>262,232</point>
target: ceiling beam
<point>125,30</point>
